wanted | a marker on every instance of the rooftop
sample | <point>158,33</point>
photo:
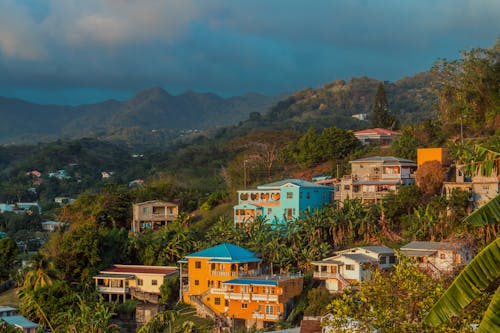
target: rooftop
<point>359,257</point>
<point>431,246</point>
<point>226,253</point>
<point>376,131</point>
<point>19,321</point>
<point>294,181</point>
<point>388,160</point>
<point>139,269</point>
<point>159,202</point>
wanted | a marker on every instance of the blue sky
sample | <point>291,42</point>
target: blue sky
<point>74,51</point>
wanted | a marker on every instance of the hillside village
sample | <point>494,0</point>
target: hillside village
<point>318,230</point>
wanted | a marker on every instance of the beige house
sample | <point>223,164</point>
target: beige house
<point>374,177</point>
<point>481,188</point>
<point>352,266</point>
<point>120,282</point>
<point>153,215</point>
<point>438,257</point>
<point>376,136</point>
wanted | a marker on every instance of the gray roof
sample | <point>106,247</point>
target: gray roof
<point>19,321</point>
<point>386,160</point>
<point>380,249</point>
<point>298,182</point>
<point>431,246</point>
<point>359,257</point>
<point>4,308</point>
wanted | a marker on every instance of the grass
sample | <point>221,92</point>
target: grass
<point>9,298</point>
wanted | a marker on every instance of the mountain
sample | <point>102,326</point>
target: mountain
<point>149,110</point>
<point>411,99</point>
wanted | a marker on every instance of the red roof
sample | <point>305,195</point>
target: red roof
<point>376,131</point>
<point>141,270</point>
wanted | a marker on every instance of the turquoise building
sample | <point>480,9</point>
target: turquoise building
<point>282,200</point>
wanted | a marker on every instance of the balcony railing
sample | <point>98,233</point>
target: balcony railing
<point>325,275</point>
<point>111,290</point>
<point>264,297</point>
<point>265,316</point>
<point>252,272</point>
<point>237,296</point>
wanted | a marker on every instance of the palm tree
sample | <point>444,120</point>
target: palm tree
<point>474,280</point>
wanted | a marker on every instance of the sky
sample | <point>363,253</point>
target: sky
<point>74,51</point>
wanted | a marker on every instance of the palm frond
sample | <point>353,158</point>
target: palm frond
<point>487,214</point>
<point>491,318</point>
<point>472,281</point>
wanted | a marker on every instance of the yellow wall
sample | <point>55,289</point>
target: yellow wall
<point>432,154</point>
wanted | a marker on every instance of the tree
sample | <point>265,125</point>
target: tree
<point>468,92</point>
<point>380,115</point>
<point>391,301</point>
<point>8,255</point>
<point>430,177</point>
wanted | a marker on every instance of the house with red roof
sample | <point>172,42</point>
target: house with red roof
<point>376,136</point>
<point>121,282</point>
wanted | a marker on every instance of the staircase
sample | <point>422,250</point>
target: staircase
<point>205,310</point>
<point>344,282</point>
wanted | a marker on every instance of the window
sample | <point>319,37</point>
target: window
<point>269,309</point>
<point>145,210</point>
<point>197,264</point>
<point>269,211</point>
<point>382,260</point>
<point>349,267</point>
<point>289,195</point>
<point>300,195</point>
<point>272,290</point>
<point>392,259</point>
<point>154,282</point>
<point>308,195</point>
<point>347,187</point>
<point>196,282</point>
<point>217,300</point>
<point>442,256</point>
<point>244,305</point>
<point>226,302</point>
<point>139,282</point>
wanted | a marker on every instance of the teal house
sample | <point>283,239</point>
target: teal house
<point>280,201</point>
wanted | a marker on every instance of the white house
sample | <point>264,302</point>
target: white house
<point>438,257</point>
<point>352,266</point>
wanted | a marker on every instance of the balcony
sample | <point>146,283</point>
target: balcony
<point>237,296</point>
<point>113,290</point>
<point>252,272</point>
<point>218,290</point>
<point>264,297</point>
<point>325,275</point>
<point>262,316</point>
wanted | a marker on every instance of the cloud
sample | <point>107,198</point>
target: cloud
<point>19,36</point>
<point>108,23</point>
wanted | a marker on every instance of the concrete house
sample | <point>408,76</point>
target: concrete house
<point>121,282</point>
<point>225,283</point>
<point>352,266</point>
<point>374,177</point>
<point>153,215</point>
<point>438,257</point>
<point>279,201</point>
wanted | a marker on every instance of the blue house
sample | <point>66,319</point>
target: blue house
<point>282,200</point>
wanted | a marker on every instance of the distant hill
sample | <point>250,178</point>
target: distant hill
<point>148,111</point>
<point>410,99</point>
<point>155,117</point>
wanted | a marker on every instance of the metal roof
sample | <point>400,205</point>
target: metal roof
<point>380,249</point>
<point>359,257</point>
<point>294,181</point>
<point>114,276</point>
<point>226,252</point>
<point>4,308</point>
<point>387,160</point>
<point>431,246</point>
<point>139,269</point>
<point>19,321</point>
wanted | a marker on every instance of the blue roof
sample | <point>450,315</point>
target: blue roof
<point>298,182</point>
<point>252,281</point>
<point>226,252</point>
<point>19,321</point>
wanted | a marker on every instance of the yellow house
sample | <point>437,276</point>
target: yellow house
<point>120,282</point>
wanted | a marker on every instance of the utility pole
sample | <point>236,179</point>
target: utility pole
<point>244,174</point>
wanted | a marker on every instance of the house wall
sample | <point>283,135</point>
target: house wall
<point>355,274</point>
<point>147,282</point>
<point>432,154</point>
<point>447,260</point>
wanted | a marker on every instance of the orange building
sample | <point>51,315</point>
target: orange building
<point>433,154</point>
<point>262,300</point>
<point>215,277</point>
